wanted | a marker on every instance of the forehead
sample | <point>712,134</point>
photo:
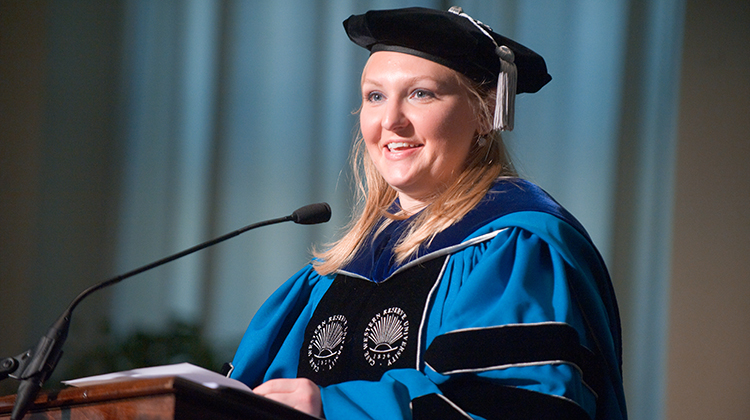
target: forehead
<point>392,64</point>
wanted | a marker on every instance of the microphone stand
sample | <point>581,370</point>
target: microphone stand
<point>34,367</point>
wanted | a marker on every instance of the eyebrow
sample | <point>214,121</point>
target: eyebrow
<point>411,80</point>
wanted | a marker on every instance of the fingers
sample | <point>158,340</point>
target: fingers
<point>275,386</point>
<point>299,393</point>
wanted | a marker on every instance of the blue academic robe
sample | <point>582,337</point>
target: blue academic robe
<point>520,322</point>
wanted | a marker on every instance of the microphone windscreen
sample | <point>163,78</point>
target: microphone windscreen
<point>312,214</point>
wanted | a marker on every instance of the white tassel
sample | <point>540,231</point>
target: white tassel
<point>505,100</point>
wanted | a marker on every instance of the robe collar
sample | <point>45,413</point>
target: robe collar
<point>508,195</point>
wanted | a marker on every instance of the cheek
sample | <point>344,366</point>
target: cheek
<point>457,134</point>
<point>369,125</point>
<point>456,120</point>
<point>464,122</point>
<point>370,133</point>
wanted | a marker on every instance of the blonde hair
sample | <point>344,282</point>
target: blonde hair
<point>487,160</point>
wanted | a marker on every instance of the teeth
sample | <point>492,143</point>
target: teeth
<point>399,145</point>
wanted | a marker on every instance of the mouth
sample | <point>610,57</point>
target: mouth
<point>400,146</point>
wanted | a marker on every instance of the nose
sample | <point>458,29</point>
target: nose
<point>394,118</point>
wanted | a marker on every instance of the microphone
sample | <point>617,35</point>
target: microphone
<point>312,214</point>
<point>33,368</point>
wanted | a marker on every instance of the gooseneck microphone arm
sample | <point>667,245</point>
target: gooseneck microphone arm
<point>34,367</point>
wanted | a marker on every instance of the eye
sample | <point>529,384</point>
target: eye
<point>374,97</point>
<point>422,94</point>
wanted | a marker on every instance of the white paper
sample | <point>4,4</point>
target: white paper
<point>187,371</point>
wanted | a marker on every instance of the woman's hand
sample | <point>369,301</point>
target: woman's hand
<point>300,393</point>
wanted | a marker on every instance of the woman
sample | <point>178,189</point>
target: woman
<point>460,290</point>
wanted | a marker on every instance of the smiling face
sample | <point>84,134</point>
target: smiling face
<point>417,122</point>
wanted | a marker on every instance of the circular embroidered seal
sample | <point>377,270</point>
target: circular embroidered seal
<point>386,337</point>
<point>327,342</point>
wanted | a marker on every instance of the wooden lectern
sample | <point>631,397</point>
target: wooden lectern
<point>152,399</point>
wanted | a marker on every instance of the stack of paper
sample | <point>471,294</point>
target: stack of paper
<point>187,371</point>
